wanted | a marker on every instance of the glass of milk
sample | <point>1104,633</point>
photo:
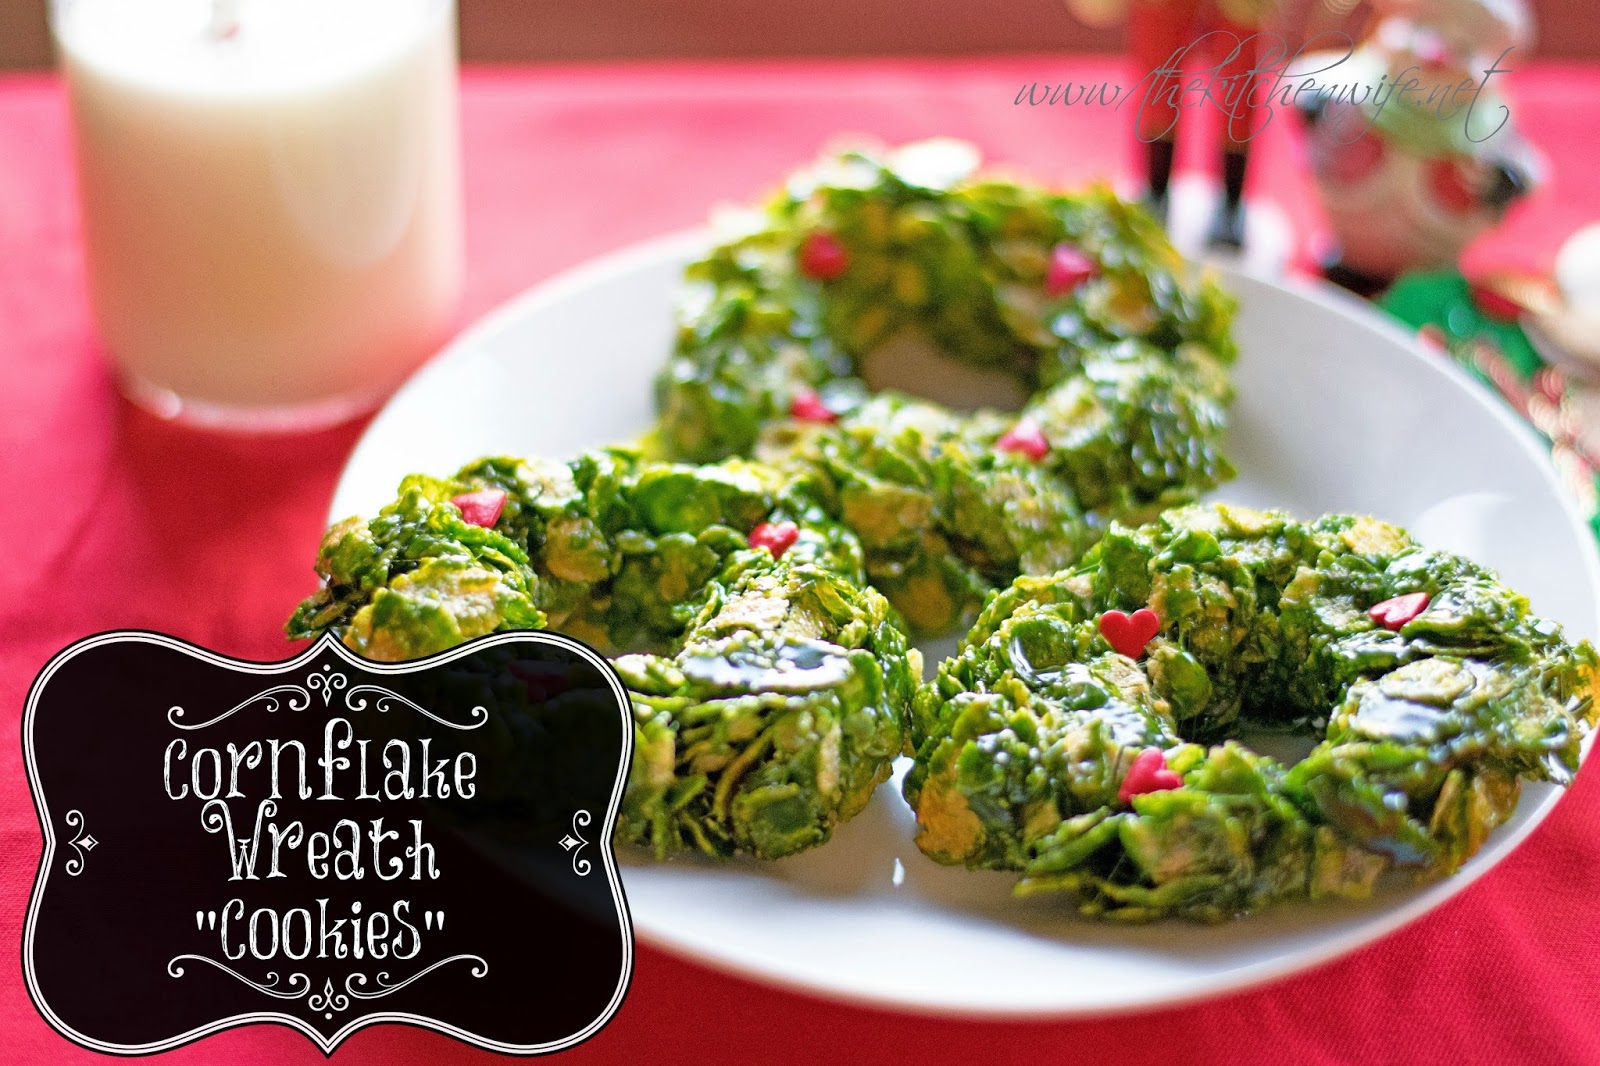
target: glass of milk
<point>271,198</point>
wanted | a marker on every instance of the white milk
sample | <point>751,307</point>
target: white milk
<point>272,219</point>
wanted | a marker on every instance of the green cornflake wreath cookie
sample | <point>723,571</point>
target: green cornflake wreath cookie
<point>771,677</point>
<point>1078,297</point>
<point>1068,739</point>
<point>771,698</point>
<point>757,565</point>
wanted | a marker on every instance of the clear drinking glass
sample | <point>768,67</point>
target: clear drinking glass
<point>271,198</point>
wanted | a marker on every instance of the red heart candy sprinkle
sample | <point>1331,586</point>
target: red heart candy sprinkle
<point>1128,634</point>
<point>1148,773</point>
<point>776,537</point>
<point>822,256</point>
<point>808,407</point>
<point>481,508</point>
<point>1069,268</point>
<point>1392,614</point>
<point>1024,438</point>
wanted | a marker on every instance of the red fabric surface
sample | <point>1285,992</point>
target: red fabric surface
<point>114,519</point>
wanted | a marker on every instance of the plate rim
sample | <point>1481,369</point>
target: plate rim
<point>677,243</point>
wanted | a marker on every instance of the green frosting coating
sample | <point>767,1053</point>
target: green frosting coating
<point>958,258</point>
<point>769,694</point>
<point>1126,369</point>
<point>772,691</point>
<point>1422,735</point>
<point>894,497</point>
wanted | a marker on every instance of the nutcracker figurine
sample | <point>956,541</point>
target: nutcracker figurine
<point>1407,179</point>
<point>1162,35</point>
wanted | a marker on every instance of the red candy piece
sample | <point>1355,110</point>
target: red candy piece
<point>1148,773</point>
<point>1069,268</point>
<point>1392,614</point>
<point>822,256</point>
<point>776,537</point>
<point>808,407</point>
<point>1024,438</point>
<point>1128,634</point>
<point>481,508</point>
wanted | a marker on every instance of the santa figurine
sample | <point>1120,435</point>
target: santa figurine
<point>1219,36</point>
<point>1408,179</point>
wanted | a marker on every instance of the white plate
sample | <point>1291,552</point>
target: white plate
<point>1337,411</point>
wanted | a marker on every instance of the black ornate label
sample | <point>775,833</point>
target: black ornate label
<point>327,843</point>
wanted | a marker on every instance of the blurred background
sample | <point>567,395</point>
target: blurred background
<point>521,30</point>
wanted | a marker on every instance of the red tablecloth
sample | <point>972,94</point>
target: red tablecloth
<point>113,519</point>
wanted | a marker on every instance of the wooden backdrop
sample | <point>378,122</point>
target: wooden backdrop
<point>516,30</point>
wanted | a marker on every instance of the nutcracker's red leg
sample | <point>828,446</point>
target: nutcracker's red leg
<point>1158,31</point>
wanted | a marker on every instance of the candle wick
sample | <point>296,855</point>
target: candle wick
<point>224,19</point>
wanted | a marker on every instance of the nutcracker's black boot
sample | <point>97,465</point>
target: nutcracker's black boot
<point>1227,226</point>
<point>1158,177</point>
